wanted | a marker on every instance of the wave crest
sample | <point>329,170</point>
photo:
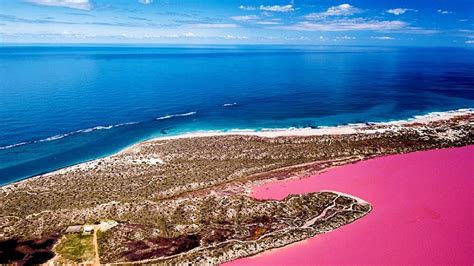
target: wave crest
<point>229,104</point>
<point>175,115</point>
<point>60,136</point>
<point>13,145</point>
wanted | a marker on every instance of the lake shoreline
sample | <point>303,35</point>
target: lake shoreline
<point>405,218</point>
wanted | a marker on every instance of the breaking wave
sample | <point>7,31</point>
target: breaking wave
<point>175,115</point>
<point>416,118</point>
<point>229,104</point>
<point>13,145</point>
<point>60,136</point>
<point>349,128</point>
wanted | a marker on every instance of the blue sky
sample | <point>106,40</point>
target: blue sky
<point>363,22</point>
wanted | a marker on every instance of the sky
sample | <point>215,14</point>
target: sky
<point>316,22</point>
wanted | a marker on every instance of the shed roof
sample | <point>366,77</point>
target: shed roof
<point>74,229</point>
<point>88,228</point>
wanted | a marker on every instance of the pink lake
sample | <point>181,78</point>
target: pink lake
<point>423,212</point>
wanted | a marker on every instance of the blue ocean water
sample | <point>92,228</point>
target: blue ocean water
<point>60,105</point>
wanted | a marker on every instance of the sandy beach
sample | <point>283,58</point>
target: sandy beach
<point>360,128</point>
<point>364,128</point>
<point>422,212</point>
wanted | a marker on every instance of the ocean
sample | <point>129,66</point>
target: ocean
<point>62,105</point>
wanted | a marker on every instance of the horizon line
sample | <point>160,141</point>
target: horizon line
<point>138,44</point>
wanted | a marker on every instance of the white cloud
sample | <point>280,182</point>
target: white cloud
<point>444,12</point>
<point>165,36</point>
<point>148,36</point>
<point>340,10</point>
<point>268,23</point>
<point>189,34</point>
<point>298,38</point>
<point>244,18</point>
<point>214,25</point>
<point>145,2</point>
<point>248,8</point>
<point>416,30</point>
<point>277,8</point>
<point>76,4</point>
<point>400,11</point>
<point>382,38</point>
<point>338,38</point>
<point>470,42</point>
<point>348,25</point>
<point>232,37</point>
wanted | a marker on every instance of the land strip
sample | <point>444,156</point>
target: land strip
<point>187,199</point>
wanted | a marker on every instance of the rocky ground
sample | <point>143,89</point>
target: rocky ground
<point>186,199</point>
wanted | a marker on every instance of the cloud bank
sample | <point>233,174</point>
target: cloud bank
<point>277,8</point>
<point>348,25</point>
<point>75,4</point>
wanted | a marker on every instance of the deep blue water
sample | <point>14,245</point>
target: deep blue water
<point>66,105</point>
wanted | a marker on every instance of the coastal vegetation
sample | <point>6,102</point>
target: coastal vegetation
<point>76,248</point>
<point>187,199</point>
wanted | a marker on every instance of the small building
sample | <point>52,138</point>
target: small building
<point>106,225</point>
<point>74,229</point>
<point>88,229</point>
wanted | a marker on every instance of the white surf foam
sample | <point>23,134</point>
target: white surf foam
<point>60,136</point>
<point>327,130</point>
<point>175,115</point>
<point>13,145</point>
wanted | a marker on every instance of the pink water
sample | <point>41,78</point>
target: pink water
<point>423,212</point>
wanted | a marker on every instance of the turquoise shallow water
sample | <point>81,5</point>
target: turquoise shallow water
<point>64,105</point>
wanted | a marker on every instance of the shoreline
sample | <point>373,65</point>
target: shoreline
<point>353,128</point>
<point>405,219</point>
<point>357,128</point>
<point>348,128</point>
<point>178,180</point>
